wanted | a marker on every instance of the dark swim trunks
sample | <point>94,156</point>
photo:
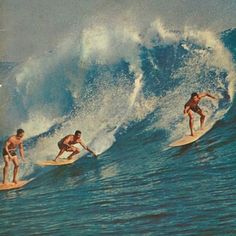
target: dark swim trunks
<point>196,109</point>
<point>61,145</point>
<point>12,152</point>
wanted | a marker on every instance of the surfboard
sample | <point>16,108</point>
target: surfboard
<point>187,139</point>
<point>10,186</point>
<point>59,162</point>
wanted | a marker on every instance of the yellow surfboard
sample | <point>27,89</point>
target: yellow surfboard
<point>59,162</point>
<point>10,186</point>
<point>187,139</point>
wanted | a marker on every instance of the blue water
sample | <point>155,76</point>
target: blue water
<point>128,110</point>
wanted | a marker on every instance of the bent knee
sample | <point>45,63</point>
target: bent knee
<point>191,117</point>
<point>76,150</point>
<point>16,164</point>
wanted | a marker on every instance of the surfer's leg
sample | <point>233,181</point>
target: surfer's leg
<point>5,169</point>
<point>202,118</point>
<point>191,121</point>
<point>16,168</point>
<point>62,150</point>
<point>75,151</point>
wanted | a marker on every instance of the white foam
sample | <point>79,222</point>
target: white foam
<point>37,123</point>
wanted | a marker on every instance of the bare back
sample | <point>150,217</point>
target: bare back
<point>70,140</point>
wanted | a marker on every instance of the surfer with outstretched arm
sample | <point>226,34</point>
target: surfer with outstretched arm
<point>9,154</point>
<point>66,144</point>
<point>192,106</point>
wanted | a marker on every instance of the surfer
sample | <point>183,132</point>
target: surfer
<point>9,154</point>
<point>66,144</point>
<point>192,106</point>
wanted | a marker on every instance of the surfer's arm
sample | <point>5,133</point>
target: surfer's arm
<point>201,95</point>
<point>87,148</point>
<point>8,142</point>
<point>186,109</point>
<point>21,149</point>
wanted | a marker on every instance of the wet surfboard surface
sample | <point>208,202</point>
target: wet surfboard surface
<point>9,186</point>
<point>59,162</point>
<point>187,139</point>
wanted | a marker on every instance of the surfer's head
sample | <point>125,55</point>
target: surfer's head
<point>20,133</point>
<point>78,133</point>
<point>194,95</point>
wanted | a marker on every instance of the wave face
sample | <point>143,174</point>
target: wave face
<point>125,91</point>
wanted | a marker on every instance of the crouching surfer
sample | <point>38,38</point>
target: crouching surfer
<point>67,145</point>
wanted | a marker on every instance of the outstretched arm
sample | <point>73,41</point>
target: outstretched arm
<point>201,95</point>
<point>87,148</point>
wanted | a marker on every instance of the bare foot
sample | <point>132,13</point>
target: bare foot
<point>15,182</point>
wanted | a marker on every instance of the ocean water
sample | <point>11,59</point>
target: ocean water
<point>128,102</point>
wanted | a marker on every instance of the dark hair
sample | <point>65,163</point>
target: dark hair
<point>20,131</point>
<point>194,94</point>
<point>77,132</point>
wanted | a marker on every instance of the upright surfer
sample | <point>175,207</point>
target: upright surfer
<point>192,106</point>
<point>9,154</point>
<point>66,144</point>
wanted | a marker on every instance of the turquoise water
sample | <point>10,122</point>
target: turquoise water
<point>138,185</point>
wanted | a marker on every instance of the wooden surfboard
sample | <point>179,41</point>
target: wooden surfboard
<point>59,162</point>
<point>10,186</point>
<point>187,139</point>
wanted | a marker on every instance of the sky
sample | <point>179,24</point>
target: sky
<point>31,27</point>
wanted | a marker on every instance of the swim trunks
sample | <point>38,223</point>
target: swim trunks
<point>196,109</point>
<point>62,145</point>
<point>12,152</point>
